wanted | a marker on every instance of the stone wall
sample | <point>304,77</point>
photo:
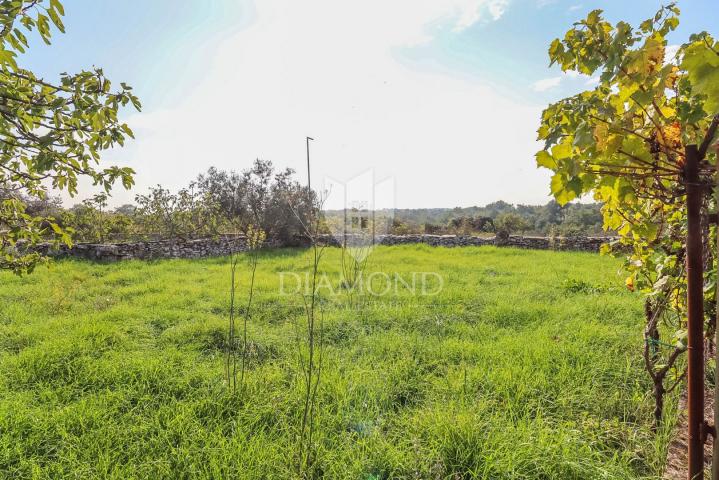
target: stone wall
<point>589,244</point>
<point>226,244</point>
<point>178,248</point>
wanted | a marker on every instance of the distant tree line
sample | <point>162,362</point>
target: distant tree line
<point>220,201</point>
<point>575,219</point>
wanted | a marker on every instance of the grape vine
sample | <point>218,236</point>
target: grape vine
<point>624,143</point>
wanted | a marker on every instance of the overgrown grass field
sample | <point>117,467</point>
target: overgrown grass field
<point>525,366</point>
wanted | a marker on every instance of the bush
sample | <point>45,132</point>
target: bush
<point>509,223</point>
<point>275,201</point>
<point>187,214</point>
<point>91,222</point>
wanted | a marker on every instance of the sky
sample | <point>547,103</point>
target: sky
<point>440,97</point>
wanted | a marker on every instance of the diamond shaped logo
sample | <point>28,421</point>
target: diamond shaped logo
<point>359,211</point>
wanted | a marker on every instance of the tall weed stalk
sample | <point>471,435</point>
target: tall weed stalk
<point>255,238</point>
<point>231,341</point>
<point>353,264</point>
<point>310,341</point>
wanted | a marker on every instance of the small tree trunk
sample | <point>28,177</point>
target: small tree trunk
<point>651,338</point>
<point>658,403</point>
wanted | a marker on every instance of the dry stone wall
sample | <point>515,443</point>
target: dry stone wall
<point>178,248</point>
<point>589,244</point>
<point>227,244</point>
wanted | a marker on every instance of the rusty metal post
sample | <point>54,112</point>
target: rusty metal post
<point>715,449</point>
<point>695,315</point>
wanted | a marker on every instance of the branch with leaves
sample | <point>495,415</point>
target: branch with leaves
<point>623,143</point>
<point>50,133</point>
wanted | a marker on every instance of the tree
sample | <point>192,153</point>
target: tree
<point>87,220</point>
<point>187,214</point>
<point>552,214</point>
<point>510,222</point>
<point>229,191</point>
<point>468,225</point>
<point>580,219</point>
<point>500,206</point>
<point>126,209</point>
<point>625,143</point>
<point>258,196</point>
<point>90,221</point>
<point>51,134</point>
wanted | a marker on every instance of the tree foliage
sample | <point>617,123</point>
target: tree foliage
<point>271,200</point>
<point>187,214</point>
<point>624,143</point>
<point>510,222</point>
<point>51,133</point>
<point>91,221</point>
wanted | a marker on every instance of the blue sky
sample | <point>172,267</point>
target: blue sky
<point>511,54</point>
<point>160,47</point>
<point>441,96</point>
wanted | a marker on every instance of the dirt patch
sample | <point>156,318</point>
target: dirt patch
<point>677,455</point>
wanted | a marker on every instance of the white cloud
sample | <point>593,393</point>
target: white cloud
<point>496,8</point>
<point>470,12</point>
<point>571,76</point>
<point>574,8</point>
<point>546,84</point>
<point>328,69</point>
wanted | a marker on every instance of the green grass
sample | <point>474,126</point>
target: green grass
<point>525,366</point>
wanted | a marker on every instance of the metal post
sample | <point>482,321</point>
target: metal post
<point>309,183</point>
<point>374,208</point>
<point>715,453</point>
<point>695,315</point>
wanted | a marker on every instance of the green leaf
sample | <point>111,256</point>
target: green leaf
<point>56,228</point>
<point>583,136</point>
<point>56,19</point>
<point>565,190</point>
<point>544,159</point>
<point>56,5</point>
<point>702,66</point>
<point>562,151</point>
